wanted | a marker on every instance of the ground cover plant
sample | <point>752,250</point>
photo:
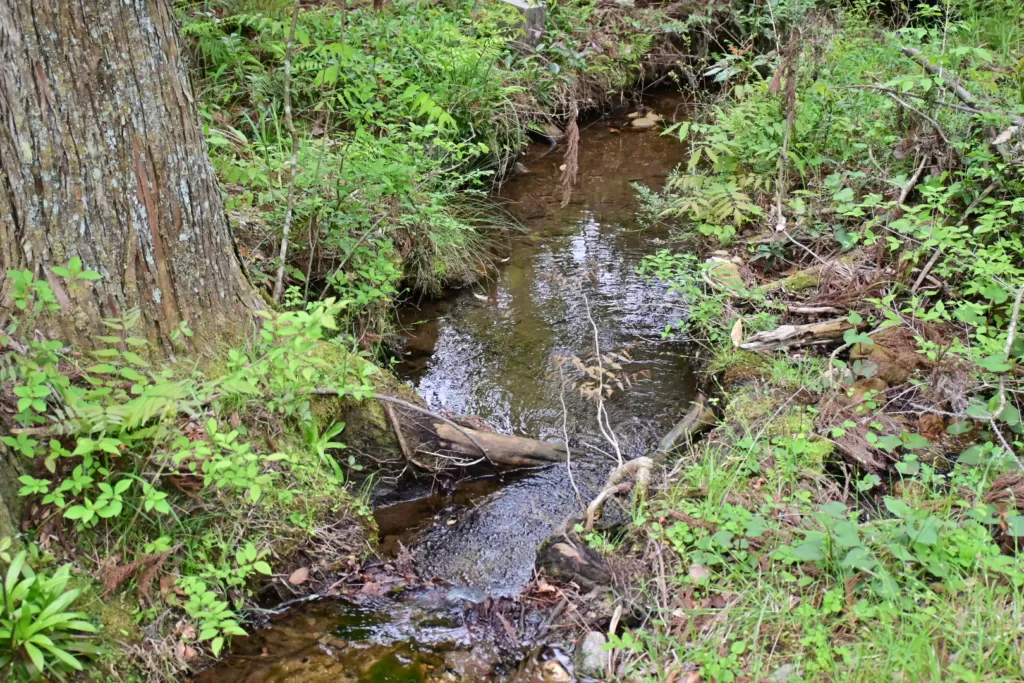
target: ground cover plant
<point>855,514</point>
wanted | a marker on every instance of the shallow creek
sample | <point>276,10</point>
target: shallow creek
<point>490,350</point>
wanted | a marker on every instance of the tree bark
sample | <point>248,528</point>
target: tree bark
<point>101,157</point>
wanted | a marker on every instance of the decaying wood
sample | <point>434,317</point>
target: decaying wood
<point>795,336</point>
<point>503,449</point>
<point>698,419</point>
<point>813,310</point>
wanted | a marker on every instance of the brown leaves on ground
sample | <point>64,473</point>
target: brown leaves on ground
<point>145,569</point>
<point>299,576</point>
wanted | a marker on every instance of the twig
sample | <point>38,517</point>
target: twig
<point>927,268</point>
<point>789,66</point>
<point>961,92</point>
<point>935,124</point>
<point>602,416</point>
<point>1012,330</point>
<point>811,310</point>
<point>912,183</point>
<point>565,435</point>
<point>805,248</point>
<point>572,153</point>
<point>891,91</point>
<point>290,125</point>
<point>389,413</point>
<point>981,197</point>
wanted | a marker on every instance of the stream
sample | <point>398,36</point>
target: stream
<point>492,350</point>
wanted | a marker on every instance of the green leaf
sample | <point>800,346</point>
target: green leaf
<point>36,656</point>
<point>131,375</point>
<point>995,363</point>
<point>888,443</point>
<point>958,428</point>
<point>812,548</point>
<point>64,656</point>
<point>852,336</point>
<point>14,571</point>
<point>897,507</point>
<point>859,558</point>
<point>914,441</point>
<point>102,369</point>
<point>113,509</point>
<point>134,359</point>
<point>1015,525</point>
<point>262,567</point>
<point>76,512</point>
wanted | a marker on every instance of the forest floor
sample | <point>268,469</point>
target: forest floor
<point>849,245</point>
<point>855,515</point>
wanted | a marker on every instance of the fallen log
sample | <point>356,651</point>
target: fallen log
<point>698,419</point>
<point>795,336</point>
<point>503,449</point>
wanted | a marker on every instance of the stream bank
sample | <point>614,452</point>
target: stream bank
<point>454,563</point>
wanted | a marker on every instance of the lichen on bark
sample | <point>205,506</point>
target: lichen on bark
<point>102,157</point>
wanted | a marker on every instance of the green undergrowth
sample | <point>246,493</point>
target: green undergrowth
<point>856,515</point>
<point>777,564</point>
<point>405,116</point>
<point>186,489</point>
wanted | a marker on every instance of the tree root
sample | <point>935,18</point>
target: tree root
<point>639,469</point>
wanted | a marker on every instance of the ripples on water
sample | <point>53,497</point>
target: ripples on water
<point>496,357</point>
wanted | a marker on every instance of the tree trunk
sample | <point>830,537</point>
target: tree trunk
<point>101,157</point>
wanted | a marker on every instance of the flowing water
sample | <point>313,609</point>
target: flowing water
<point>493,350</point>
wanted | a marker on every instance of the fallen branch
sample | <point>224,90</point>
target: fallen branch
<point>966,96</point>
<point>811,310</point>
<point>502,448</point>
<point>698,419</point>
<point>389,413</point>
<point>927,269</point>
<point>639,469</point>
<point>795,336</point>
<point>912,183</point>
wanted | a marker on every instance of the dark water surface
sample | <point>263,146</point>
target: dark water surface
<point>491,350</point>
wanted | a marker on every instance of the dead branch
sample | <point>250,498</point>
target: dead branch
<point>934,124</point>
<point>698,419</point>
<point>572,154</point>
<point>912,183</point>
<point>811,310</point>
<point>638,468</point>
<point>290,125</point>
<point>966,96</point>
<point>927,268</point>
<point>795,336</point>
<point>502,448</point>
